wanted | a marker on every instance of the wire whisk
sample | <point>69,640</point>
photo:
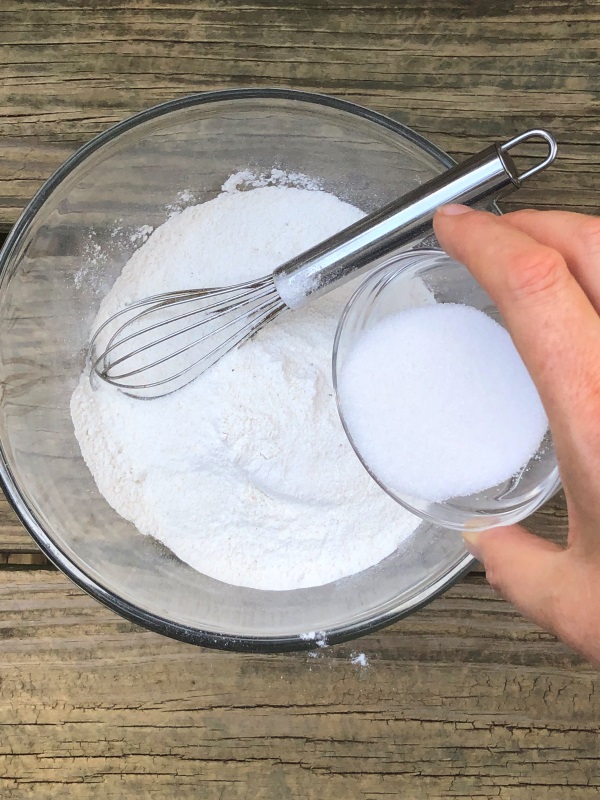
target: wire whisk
<point>159,344</point>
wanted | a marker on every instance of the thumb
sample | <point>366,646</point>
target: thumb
<point>522,568</point>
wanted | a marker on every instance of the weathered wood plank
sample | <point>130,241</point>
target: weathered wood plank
<point>460,73</point>
<point>463,700</point>
<point>13,538</point>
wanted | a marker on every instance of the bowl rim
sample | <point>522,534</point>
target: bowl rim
<point>128,610</point>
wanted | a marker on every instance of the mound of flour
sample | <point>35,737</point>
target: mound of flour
<point>246,473</point>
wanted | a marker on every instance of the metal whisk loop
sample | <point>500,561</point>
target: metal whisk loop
<point>158,303</point>
<point>173,354</point>
<point>195,329</point>
<point>148,305</point>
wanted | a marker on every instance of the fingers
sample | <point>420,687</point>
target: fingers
<point>520,567</point>
<point>575,236</point>
<point>543,272</point>
<point>547,584</point>
<point>553,324</point>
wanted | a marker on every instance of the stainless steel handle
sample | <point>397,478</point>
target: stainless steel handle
<point>491,173</point>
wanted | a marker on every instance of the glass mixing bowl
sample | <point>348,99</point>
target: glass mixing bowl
<point>59,261</point>
<point>392,288</point>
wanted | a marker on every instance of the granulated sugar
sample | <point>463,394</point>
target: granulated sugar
<point>439,403</point>
<point>246,473</point>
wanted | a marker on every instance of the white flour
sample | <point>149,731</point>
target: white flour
<point>246,473</point>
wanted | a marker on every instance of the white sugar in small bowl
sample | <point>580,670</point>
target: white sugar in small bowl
<point>410,280</point>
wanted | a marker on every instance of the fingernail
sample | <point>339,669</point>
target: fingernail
<point>471,540</point>
<point>453,210</point>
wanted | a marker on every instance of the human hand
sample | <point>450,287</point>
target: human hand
<point>542,269</point>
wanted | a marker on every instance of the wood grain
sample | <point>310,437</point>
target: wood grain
<point>462,700</point>
<point>461,73</point>
<point>13,538</point>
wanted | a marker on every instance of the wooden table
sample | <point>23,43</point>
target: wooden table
<point>462,700</point>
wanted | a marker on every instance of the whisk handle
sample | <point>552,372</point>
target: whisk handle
<point>490,174</point>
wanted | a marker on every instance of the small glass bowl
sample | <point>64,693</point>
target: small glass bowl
<point>392,288</point>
